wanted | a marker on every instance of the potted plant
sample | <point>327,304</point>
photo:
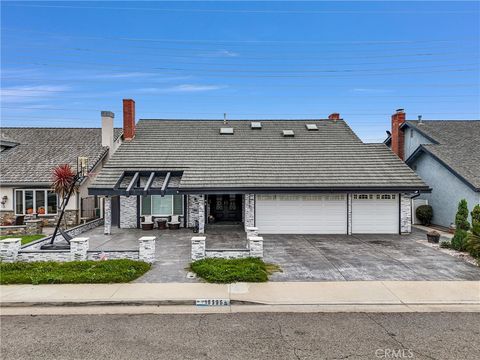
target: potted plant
<point>433,237</point>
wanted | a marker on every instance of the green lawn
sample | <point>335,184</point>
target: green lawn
<point>25,238</point>
<point>227,271</point>
<point>74,272</point>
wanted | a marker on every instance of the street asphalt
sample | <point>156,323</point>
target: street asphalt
<point>243,336</point>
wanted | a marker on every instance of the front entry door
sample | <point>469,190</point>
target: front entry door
<point>226,207</point>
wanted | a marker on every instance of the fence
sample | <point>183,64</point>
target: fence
<point>89,208</point>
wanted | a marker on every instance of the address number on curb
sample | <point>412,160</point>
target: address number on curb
<point>212,302</point>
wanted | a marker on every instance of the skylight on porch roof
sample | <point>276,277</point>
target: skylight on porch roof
<point>311,127</point>
<point>256,125</point>
<point>288,133</point>
<point>226,131</point>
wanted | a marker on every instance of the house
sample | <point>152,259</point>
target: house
<point>27,158</point>
<point>446,155</point>
<point>281,176</point>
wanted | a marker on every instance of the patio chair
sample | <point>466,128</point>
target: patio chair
<point>174,222</point>
<point>147,223</point>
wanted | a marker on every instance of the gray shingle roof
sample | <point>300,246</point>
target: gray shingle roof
<point>458,145</point>
<point>39,150</point>
<point>332,157</point>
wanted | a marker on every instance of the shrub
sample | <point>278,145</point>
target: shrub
<point>473,238</point>
<point>226,271</point>
<point>462,226</point>
<point>445,244</point>
<point>424,214</point>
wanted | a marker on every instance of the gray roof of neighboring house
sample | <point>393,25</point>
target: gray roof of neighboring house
<point>456,144</point>
<point>39,150</point>
<point>331,158</point>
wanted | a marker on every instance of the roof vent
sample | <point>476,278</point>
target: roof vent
<point>226,131</point>
<point>256,125</point>
<point>311,127</point>
<point>288,133</point>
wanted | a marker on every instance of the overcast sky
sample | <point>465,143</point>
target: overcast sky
<point>63,62</point>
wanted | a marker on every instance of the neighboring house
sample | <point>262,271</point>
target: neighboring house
<point>446,155</point>
<point>27,158</point>
<point>282,176</point>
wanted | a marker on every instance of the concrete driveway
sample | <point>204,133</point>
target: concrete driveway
<point>362,257</point>
<point>303,257</point>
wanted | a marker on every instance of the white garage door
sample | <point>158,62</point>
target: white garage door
<point>375,214</point>
<point>301,214</point>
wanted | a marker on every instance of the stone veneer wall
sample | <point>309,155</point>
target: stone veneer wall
<point>199,250</point>
<point>405,214</point>
<point>6,215</point>
<point>73,232</point>
<point>10,251</point>
<point>70,216</point>
<point>196,211</point>
<point>128,212</point>
<point>249,209</point>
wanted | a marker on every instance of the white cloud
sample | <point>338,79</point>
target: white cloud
<point>181,88</point>
<point>371,90</point>
<point>219,53</point>
<point>30,93</point>
<point>194,88</point>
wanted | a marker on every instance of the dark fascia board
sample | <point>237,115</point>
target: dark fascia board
<point>157,191</point>
<point>388,140</point>
<point>265,190</point>
<point>133,192</point>
<point>416,128</point>
<point>421,149</point>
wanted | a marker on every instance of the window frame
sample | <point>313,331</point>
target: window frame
<point>162,215</point>
<point>34,191</point>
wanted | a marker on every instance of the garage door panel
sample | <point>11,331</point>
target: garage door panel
<point>375,214</point>
<point>301,214</point>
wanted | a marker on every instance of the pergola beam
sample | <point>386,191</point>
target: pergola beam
<point>149,182</point>
<point>132,182</point>
<point>165,183</point>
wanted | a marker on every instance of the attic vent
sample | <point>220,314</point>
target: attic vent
<point>226,131</point>
<point>288,133</point>
<point>311,127</point>
<point>256,125</point>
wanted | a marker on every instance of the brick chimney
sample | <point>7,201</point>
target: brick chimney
<point>334,116</point>
<point>398,136</point>
<point>128,119</point>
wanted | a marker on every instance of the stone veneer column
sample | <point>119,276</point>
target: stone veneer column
<point>192,210</point>
<point>78,249</point>
<point>33,227</point>
<point>251,231</point>
<point>201,214</point>
<point>249,220</point>
<point>146,248</point>
<point>405,214</point>
<point>107,215</point>
<point>255,244</point>
<point>198,247</point>
<point>349,213</point>
<point>9,249</point>
<point>128,212</point>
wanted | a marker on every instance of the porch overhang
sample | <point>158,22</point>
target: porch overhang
<point>142,182</point>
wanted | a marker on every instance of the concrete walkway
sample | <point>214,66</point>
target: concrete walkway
<point>272,293</point>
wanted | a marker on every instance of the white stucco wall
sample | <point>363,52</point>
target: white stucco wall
<point>447,191</point>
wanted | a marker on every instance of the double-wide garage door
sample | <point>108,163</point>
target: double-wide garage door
<point>327,214</point>
<point>301,214</point>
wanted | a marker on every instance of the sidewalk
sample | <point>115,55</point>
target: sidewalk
<point>273,293</point>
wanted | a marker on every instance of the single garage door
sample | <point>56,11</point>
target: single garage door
<point>375,214</point>
<point>301,214</point>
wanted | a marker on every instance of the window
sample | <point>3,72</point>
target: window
<point>167,205</point>
<point>35,201</point>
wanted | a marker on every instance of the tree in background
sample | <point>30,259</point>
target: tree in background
<point>473,237</point>
<point>462,226</point>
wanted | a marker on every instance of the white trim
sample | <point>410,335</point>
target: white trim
<point>161,215</point>
<point>34,191</point>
